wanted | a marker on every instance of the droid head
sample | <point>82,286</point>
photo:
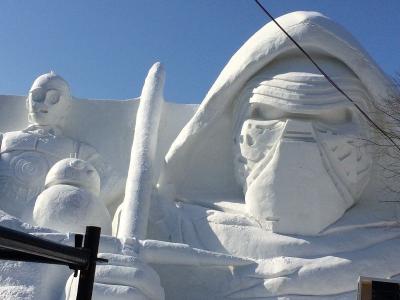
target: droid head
<point>48,99</point>
<point>75,172</point>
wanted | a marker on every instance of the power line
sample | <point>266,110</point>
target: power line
<point>382,131</point>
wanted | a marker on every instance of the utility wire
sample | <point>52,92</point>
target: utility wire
<point>382,131</point>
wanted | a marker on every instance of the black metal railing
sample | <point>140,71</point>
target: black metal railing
<point>19,246</point>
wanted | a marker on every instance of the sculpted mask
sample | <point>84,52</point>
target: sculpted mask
<point>300,151</point>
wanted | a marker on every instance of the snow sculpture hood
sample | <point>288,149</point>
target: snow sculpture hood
<point>203,148</point>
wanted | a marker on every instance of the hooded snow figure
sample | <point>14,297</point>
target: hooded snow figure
<point>274,166</point>
<point>298,143</point>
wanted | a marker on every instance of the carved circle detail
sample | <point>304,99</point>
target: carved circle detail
<point>30,167</point>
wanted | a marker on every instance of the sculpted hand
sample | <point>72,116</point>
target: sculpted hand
<point>123,277</point>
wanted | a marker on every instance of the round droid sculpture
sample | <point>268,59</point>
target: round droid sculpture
<point>70,200</point>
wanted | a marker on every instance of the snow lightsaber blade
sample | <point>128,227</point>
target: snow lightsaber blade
<point>140,181</point>
<point>139,187</point>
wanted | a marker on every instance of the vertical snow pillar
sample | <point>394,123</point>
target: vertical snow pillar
<point>140,181</point>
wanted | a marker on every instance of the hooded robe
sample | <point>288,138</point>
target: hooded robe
<point>199,202</point>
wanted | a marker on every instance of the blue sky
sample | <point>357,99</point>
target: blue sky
<point>105,48</point>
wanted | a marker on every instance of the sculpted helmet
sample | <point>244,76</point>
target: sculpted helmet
<point>294,131</point>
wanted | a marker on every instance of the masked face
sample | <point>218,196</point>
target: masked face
<point>300,169</point>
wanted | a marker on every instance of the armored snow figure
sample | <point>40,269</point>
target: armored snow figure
<point>27,155</point>
<point>70,200</point>
<point>270,191</point>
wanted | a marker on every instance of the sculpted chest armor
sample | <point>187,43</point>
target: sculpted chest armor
<point>26,157</point>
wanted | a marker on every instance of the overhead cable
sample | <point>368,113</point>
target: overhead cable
<point>372,122</point>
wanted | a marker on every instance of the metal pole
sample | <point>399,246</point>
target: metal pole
<point>86,277</point>
<point>6,254</point>
<point>19,241</point>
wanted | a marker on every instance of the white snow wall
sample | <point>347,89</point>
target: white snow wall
<point>110,127</point>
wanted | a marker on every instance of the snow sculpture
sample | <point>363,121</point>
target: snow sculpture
<point>27,155</point>
<point>268,192</point>
<point>70,200</point>
<point>299,191</point>
<point>293,131</point>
